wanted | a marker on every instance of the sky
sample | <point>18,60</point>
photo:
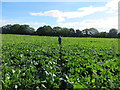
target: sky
<point>78,15</point>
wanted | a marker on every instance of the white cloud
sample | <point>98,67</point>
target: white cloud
<point>35,23</point>
<point>62,15</point>
<point>53,13</point>
<point>60,19</point>
<point>91,10</point>
<point>4,22</point>
<point>110,7</point>
<point>100,24</point>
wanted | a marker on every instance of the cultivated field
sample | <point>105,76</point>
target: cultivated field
<point>39,62</point>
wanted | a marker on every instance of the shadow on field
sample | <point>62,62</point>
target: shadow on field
<point>62,63</point>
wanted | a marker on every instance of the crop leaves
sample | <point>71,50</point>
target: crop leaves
<point>38,63</point>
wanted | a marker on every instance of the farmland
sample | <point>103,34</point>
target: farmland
<point>38,62</point>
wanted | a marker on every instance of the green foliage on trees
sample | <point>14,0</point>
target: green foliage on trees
<point>56,31</point>
<point>17,29</point>
<point>112,33</point>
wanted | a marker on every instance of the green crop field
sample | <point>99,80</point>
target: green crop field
<point>39,62</point>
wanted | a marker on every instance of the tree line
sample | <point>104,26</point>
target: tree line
<point>56,31</point>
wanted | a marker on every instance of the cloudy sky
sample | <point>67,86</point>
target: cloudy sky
<point>78,15</point>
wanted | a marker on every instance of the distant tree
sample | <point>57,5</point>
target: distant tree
<point>103,34</point>
<point>15,29</point>
<point>112,33</point>
<point>93,32</point>
<point>25,29</point>
<point>31,30</point>
<point>85,32</point>
<point>0,30</point>
<point>48,30</point>
<point>71,32</point>
<point>40,31</point>
<point>45,30</point>
<point>118,35</point>
<point>6,29</point>
<point>78,33</point>
<point>65,32</point>
<point>57,31</point>
<point>90,32</point>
